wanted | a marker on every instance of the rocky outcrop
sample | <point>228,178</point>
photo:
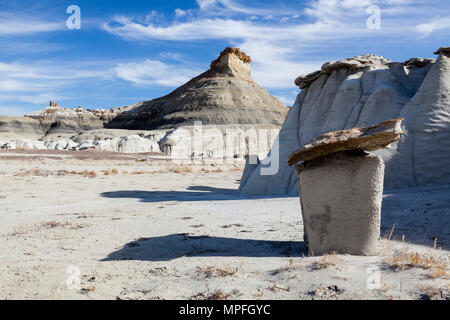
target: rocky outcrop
<point>340,196</point>
<point>341,188</point>
<point>218,141</point>
<point>20,128</point>
<point>59,121</point>
<point>364,91</point>
<point>225,94</point>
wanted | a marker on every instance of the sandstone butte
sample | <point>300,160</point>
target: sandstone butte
<point>223,95</point>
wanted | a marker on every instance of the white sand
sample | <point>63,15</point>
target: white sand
<point>153,236</point>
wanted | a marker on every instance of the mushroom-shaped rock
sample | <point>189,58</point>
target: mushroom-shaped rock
<point>442,50</point>
<point>367,138</point>
<point>341,188</point>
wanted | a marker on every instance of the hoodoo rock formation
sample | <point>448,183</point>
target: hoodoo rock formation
<point>341,188</point>
<point>364,91</point>
<point>225,94</point>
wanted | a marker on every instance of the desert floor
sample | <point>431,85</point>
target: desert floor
<point>77,225</point>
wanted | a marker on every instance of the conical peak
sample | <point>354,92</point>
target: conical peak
<point>234,59</point>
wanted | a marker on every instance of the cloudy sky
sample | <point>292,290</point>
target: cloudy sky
<point>128,51</point>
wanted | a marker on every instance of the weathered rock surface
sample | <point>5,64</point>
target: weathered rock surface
<point>367,138</point>
<point>224,141</point>
<point>59,121</point>
<point>20,128</point>
<point>365,93</point>
<point>341,197</point>
<point>225,94</point>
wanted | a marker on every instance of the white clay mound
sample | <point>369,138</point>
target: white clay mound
<point>364,91</point>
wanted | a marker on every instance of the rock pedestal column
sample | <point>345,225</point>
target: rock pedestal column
<point>341,198</point>
<point>341,188</point>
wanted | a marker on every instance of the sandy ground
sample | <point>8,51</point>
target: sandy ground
<point>104,226</point>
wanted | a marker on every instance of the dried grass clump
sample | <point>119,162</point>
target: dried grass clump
<point>289,266</point>
<point>31,172</point>
<point>54,224</point>
<point>139,172</point>
<point>110,172</point>
<point>217,272</point>
<point>429,293</point>
<point>216,295</point>
<point>328,260</point>
<point>197,225</point>
<point>437,267</point>
<point>181,169</point>
<point>89,174</point>
<point>275,288</point>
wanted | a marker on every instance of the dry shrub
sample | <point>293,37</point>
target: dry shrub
<point>216,295</point>
<point>289,266</point>
<point>275,288</point>
<point>139,172</point>
<point>388,234</point>
<point>217,272</point>
<point>328,260</point>
<point>183,169</point>
<point>110,172</point>
<point>90,174</point>
<point>430,293</point>
<point>56,224</point>
<point>22,148</point>
<point>34,172</point>
<point>197,225</point>
<point>88,289</point>
<point>62,172</point>
<point>437,267</point>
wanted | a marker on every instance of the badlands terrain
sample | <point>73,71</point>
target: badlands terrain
<point>137,226</point>
<point>95,205</point>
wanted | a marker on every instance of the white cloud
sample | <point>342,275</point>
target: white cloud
<point>180,13</point>
<point>277,40</point>
<point>425,29</point>
<point>12,24</point>
<point>13,111</point>
<point>154,72</point>
<point>41,81</point>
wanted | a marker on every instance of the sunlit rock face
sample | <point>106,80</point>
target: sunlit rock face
<point>363,91</point>
<point>225,94</point>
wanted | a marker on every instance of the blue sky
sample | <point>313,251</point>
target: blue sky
<point>128,51</point>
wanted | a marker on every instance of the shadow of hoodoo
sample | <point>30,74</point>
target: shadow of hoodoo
<point>198,193</point>
<point>174,246</point>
